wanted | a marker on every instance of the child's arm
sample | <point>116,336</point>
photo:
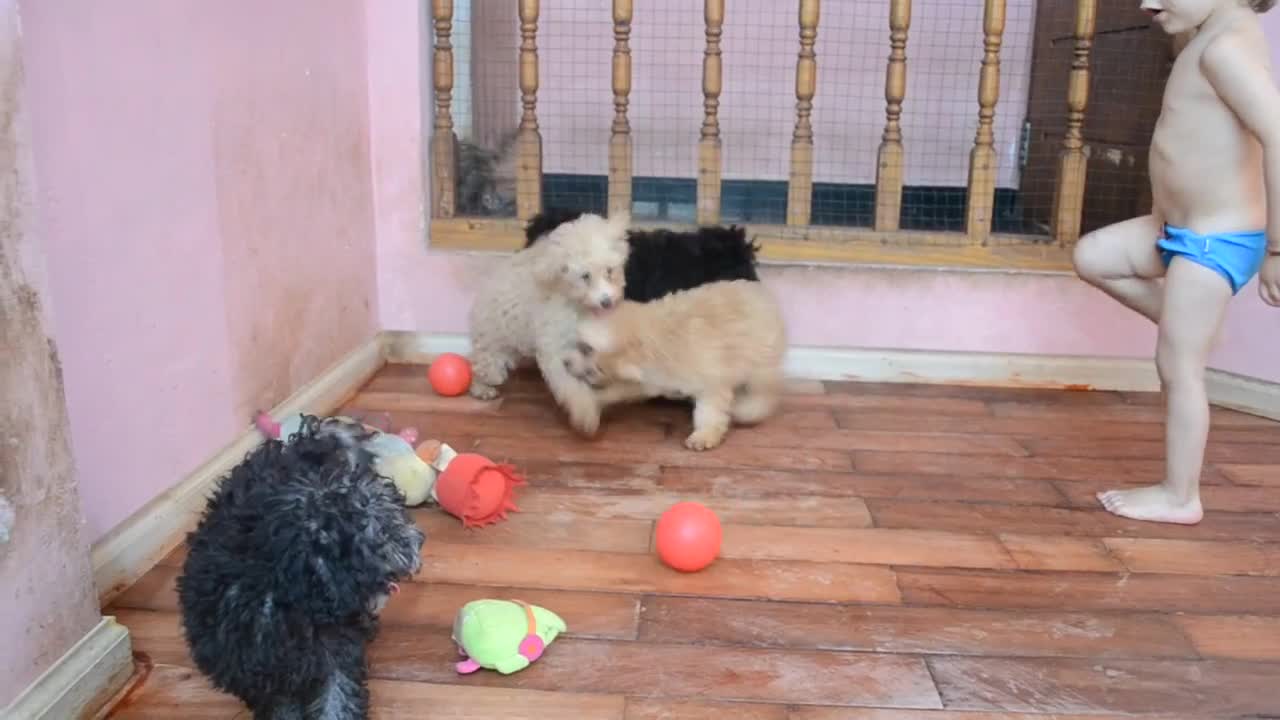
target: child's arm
<point>1269,278</point>
<point>1244,83</point>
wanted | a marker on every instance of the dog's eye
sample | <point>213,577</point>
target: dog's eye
<point>585,349</point>
<point>586,277</point>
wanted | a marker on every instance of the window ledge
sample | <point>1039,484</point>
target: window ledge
<point>782,244</point>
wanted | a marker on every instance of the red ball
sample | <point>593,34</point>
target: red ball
<point>449,374</point>
<point>688,536</point>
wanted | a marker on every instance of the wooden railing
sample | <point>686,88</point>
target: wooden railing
<point>1069,187</point>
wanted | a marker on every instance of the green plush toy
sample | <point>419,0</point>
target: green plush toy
<point>503,635</point>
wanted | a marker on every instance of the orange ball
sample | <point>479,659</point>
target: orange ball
<point>688,536</point>
<point>449,374</point>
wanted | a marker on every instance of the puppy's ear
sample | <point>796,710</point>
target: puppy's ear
<point>549,265</point>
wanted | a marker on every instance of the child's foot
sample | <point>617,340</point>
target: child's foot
<point>1154,503</point>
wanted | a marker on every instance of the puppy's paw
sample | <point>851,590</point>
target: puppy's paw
<point>575,365</point>
<point>704,440</point>
<point>583,411</point>
<point>580,366</point>
<point>585,422</point>
<point>481,391</point>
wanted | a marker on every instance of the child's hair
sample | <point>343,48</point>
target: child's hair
<point>1261,6</point>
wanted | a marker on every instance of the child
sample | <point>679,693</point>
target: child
<point>1215,223</point>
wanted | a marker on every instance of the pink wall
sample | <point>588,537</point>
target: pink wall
<point>423,290</point>
<point>206,211</point>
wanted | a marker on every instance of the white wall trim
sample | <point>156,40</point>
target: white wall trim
<point>913,366</point>
<point>1237,392</point>
<point>994,369</point>
<point>82,680</point>
<point>135,546</point>
<point>403,346</point>
<point>1246,394</point>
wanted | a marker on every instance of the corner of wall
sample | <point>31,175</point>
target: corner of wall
<point>47,590</point>
<point>399,101</point>
<point>365,54</point>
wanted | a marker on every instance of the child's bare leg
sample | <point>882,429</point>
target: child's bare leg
<point>1195,301</point>
<point>1122,261</point>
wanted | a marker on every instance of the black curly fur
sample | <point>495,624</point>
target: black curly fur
<point>665,261</point>
<point>287,570</point>
<point>546,221</point>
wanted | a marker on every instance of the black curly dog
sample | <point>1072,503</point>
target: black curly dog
<point>288,569</point>
<point>666,261</point>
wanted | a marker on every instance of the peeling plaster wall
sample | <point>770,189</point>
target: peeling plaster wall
<point>47,599</point>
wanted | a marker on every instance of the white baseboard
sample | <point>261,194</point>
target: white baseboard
<point>905,366</point>
<point>135,546</point>
<point>82,680</point>
<point>1227,390</point>
<point>403,346</point>
<point>1246,394</point>
<point>985,369</point>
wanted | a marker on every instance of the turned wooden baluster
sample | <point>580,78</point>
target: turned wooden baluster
<point>620,152</point>
<point>982,161</point>
<point>444,156</point>
<point>528,138</point>
<point>800,189</point>
<point>889,170</point>
<point>709,144</point>
<point>1068,198</point>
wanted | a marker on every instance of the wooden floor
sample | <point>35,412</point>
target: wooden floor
<point>891,553</point>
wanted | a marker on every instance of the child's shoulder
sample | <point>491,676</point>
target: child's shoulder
<point>1241,44</point>
<point>1236,62</point>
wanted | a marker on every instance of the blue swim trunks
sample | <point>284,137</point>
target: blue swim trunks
<point>1236,256</point>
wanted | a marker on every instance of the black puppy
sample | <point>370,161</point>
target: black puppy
<point>664,261</point>
<point>294,558</point>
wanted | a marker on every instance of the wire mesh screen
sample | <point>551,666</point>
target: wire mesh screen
<point>575,102</point>
<point>757,111</point>
<point>485,107</point>
<point>940,108</point>
<point>666,107</point>
<point>1129,61</point>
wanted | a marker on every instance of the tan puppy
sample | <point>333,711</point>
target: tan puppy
<point>721,344</point>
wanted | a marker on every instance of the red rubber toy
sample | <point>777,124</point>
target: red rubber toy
<point>449,374</point>
<point>688,536</point>
<point>477,490</point>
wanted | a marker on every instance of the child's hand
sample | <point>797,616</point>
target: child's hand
<point>1269,281</point>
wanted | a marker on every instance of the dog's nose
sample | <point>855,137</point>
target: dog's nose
<point>606,302</point>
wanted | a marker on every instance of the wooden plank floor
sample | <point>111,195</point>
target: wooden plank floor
<point>891,553</point>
